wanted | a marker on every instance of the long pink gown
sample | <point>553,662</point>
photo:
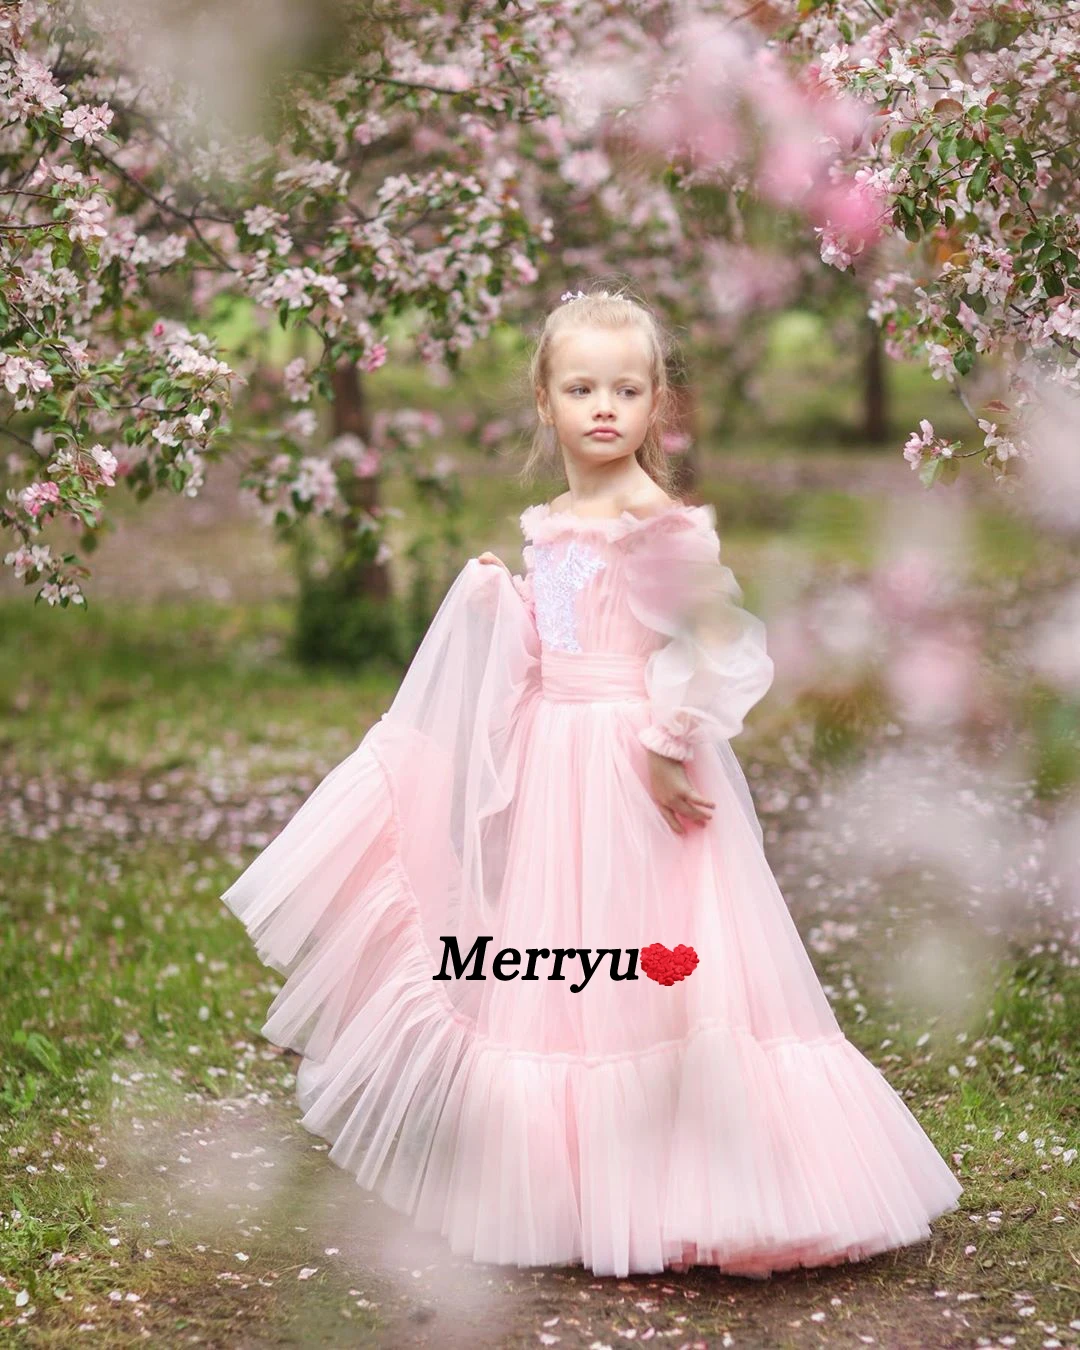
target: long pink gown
<point>622,1123</point>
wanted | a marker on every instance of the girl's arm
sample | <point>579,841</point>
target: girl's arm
<point>714,666</point>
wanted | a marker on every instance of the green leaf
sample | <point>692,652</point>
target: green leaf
<point>950,469</point>
<point>61,250</point>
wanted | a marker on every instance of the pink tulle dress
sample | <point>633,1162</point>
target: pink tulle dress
<point>500,808</point>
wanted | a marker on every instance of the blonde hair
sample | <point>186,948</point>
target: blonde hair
<point>607,309</point>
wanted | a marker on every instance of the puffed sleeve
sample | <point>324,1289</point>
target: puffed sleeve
<point>713,667</point>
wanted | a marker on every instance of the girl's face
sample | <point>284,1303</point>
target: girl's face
<point>600,396</point>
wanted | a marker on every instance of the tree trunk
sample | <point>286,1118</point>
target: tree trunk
<point>875,412</point>
<point>351,415</point>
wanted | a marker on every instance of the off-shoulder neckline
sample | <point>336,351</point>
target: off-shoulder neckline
<point>541,518</point>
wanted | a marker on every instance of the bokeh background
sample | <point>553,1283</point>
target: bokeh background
<point>916,765</point>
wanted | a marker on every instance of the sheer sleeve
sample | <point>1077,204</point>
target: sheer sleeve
<point>524,587</point>
<point>524,584</point>
<point>714,666</point>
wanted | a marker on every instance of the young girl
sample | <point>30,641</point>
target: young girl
<point>471,908</point>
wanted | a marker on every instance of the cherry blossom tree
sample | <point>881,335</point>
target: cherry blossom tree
<point>123,196</point>
<point>972,148</point>
<point>718,153</point>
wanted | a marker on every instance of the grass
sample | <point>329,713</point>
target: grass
<point>157,1185</point>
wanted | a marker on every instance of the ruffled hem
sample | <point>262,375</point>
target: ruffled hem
<point>717,1149</point>
<point>540,522</point>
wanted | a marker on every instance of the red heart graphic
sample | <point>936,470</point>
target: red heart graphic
<point>667,967</point>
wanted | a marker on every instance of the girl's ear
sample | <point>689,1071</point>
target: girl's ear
<point>543,410</point>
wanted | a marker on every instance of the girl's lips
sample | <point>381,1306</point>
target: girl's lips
<point>606,433</point>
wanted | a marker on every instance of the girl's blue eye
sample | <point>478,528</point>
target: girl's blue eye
<point>626,390</point>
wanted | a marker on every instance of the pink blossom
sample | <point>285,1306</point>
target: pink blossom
<point>316,482</point>
<point>106,464</point>
<point>426,140</point>
<point>443,466</point>
<point>1003,447</point>
<point>834,249</point>
<point>941,361</point>
<point>67,173</point>
<point>788,169</point>
<point>916,443</point>
<point>260,219</point>
<point>297,386</point>
<point>905,586</point>
<point>86,123</point>
<point>931,678</point>
<point>857,209</point>
<point>492,432</point>
<point>87,218</point>
<point>301,424</point>
<point>196,423</point>
<point>675,442</point>
<point>370,129</point>
<point>20,373</point>
<point>526,270</point>
<point>367,463</point>
<point>586,169</point>
<point>374,358</point>
<point>33,90</point>
<point>54,592</point>
<point>36,558</point>
<point>38,495</point>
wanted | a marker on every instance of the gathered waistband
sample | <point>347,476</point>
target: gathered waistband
<point>587,677</point>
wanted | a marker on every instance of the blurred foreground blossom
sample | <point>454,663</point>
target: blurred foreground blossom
<point>1051,480</point>
<point>1055,643</point>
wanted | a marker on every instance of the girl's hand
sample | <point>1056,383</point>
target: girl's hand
<point>674,793</point>
<point>491,558</point>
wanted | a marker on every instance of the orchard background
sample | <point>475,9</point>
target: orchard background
<point>267,280</point>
